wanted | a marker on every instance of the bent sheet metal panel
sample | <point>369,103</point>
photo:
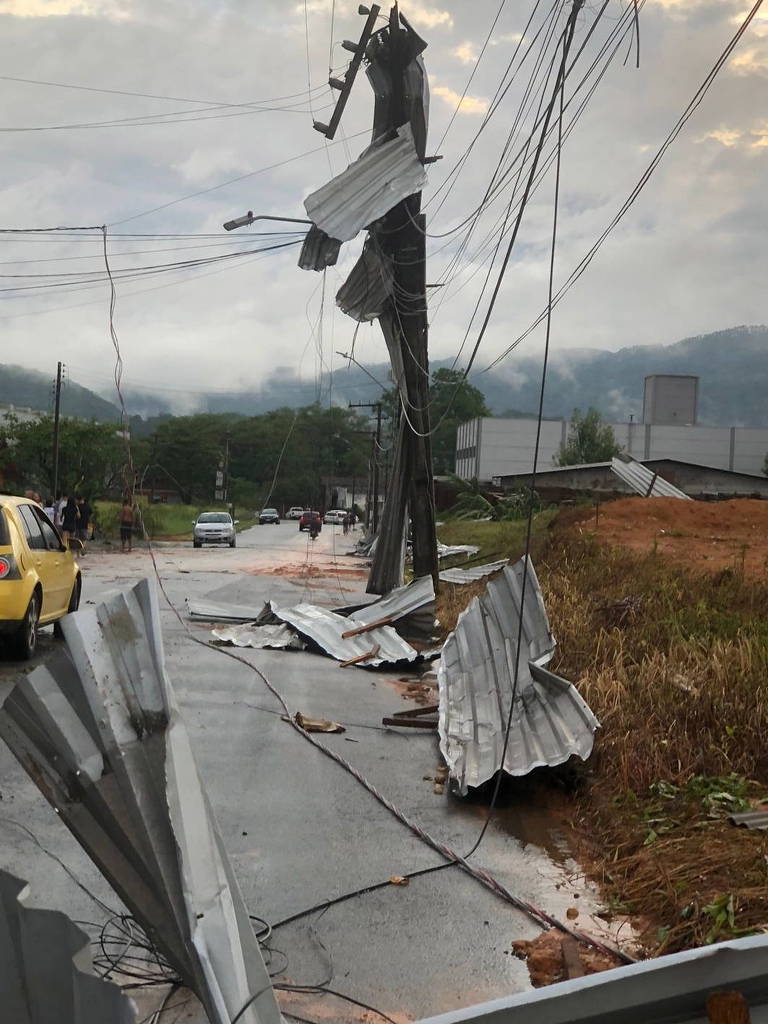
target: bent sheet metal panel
<point>550,720</point>
<point>212,611</point>
<point>460,576</point>
<point>279,636</point>
<point>102,737</point>
<point>672,989</point>
<point>365,292</point>
<point>46,972</point>
<point>325,628</point>
<point>639,478</point>
<point>376,182</point>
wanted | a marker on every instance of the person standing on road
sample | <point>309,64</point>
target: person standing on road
<point>126,525</point>
<point>50,509</point>
<point>346,522</point>
<point>83,525</point>
<point>69,520</point>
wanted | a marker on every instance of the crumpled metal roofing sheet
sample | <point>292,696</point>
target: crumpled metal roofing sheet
<point>412,607</point>
<point>279,636</point>
<point>550,720</point>
<point>100,733</point>
<point>46,972</point>
<point>673,989</point>
<point>370,283</point>
<point>324,628</point>
<point>644,481</point>
<point>376,182</point>
<point>211,611</point>
<point>449,550</point>
<point>750,819</point>
<point>472,575</point>
<point>318,251</point>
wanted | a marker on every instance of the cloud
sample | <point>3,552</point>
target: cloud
<point>63,8</point>
<point>725,136</point>
<point>204,165</point>
<point>468,105</point>
<point>426,16</point>
<point>466,53</point>
<point>750,62</point>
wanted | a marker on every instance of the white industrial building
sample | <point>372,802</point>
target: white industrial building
<point>490,447</point>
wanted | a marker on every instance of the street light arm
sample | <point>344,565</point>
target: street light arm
<point>242,222</point>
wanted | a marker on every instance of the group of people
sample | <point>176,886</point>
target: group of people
<point>348,521</point>
<point>71,514</point>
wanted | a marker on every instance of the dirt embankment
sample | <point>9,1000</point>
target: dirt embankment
<point>698,534</point>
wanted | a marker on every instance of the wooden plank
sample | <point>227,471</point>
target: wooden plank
<point>387,620</point>
<point>571,959</point>
<point>362,657</point>
<point>727,1008</point>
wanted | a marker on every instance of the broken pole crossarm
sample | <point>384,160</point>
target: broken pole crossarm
<point>345,86</point>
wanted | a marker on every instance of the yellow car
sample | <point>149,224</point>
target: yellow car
<point>39,578</point>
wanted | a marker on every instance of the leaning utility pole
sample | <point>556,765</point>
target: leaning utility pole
<point>373,520</point>
<point>56,417</point>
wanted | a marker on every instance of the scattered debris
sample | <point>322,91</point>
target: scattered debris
<point>99,731</point>
<point>317,724</point>
<point>414,718</point>
<point>411,608</point>
<point>278,636</point>
<point>549,722</point>
<point>555,956</point>
<point>46,973</point>
<point>319,250</point>
<point>460,576</point>
<point>750,819</point>
<point>210,611</point>
<point>364,294</point>
<point>643,480</point>
<point>400,880</point>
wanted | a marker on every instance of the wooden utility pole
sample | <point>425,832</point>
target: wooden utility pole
<point>56,418</point>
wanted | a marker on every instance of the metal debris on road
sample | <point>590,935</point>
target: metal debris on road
<point>46,972</point>
<point>317,724</point>
<point>211,611</point>
<point>641,479</point>
<point>461,576</point>
<point>550,720</point>
<point>411,608</point>
<point>99,731</point>
<point>382,176</point>
<point>278,636</point>
<point>379,646</point>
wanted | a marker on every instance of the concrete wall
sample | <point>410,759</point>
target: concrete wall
<point>502,446</point>
<point>670,399</point>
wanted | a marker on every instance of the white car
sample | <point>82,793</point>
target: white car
<point>295,512</point>
<point>335,516</point>
<point>214,528</point>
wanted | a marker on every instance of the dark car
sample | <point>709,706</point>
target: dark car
<point>308,517</point>
<point>269,515</point>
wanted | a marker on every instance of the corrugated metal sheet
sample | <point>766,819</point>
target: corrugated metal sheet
<point>550,720</point>
<point>324,628</point>
<point>449,550</point>
<point>211,611</point>
<point>99,731</point>
<point>279,636</point>
<point>365,292</point>
<point>472,575</point>
<point>377,181</point>
<point>319,250</point>
<point>672,989</point>
<point>641,479</point>
<point>412,609</point>
<point>46,972</point>
<point>751,819</point>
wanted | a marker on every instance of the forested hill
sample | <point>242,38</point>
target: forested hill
<point>33,389</point>
<point>732,365</point>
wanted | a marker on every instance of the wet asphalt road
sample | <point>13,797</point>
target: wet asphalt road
<point>298,828</point>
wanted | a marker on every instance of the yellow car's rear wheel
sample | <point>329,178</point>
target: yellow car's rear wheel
<point>24,640</point>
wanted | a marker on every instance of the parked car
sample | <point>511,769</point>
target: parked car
<point>269,515</point>
<point>335,516</point>
<point>296,512</point>
<point>307,517</point>
<point>214,528</point>
<point>40,579</point>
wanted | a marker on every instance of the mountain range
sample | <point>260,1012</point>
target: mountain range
<point>731,365</point>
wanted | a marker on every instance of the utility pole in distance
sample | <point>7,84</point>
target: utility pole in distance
<point>56,418</point>
<point>374,520</point>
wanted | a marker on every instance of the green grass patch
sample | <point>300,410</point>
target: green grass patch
<point>162,522</point>
<point>495,540</point>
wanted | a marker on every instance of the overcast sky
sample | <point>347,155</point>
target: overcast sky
<point>688,259</point>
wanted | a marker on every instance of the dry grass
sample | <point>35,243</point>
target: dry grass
<point>675,665</point>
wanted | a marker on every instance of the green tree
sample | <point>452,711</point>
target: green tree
<point>589,440</point>
<point>92,456</point>
<point>452,401</point>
